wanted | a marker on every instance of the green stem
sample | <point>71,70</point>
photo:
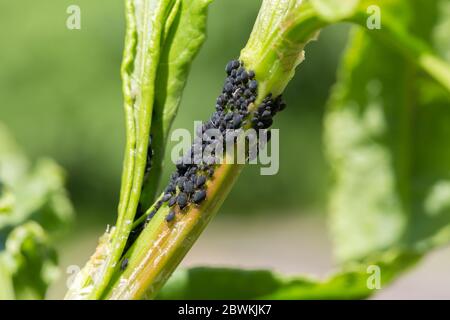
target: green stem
<point>143,40</point>
<point>162,246</point>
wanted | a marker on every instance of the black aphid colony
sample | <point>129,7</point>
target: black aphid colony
<point>187,184</point>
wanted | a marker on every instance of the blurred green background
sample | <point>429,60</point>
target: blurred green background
<point>61,97</point>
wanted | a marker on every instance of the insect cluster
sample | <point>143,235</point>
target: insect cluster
<point>187,184</point>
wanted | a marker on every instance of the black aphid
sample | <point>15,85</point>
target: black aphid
<point>172,201</point>
<point>170,216</point>
<point>170,188</point>
<point>253,85</point>
<point>199,196</point>
<point>166,197</point>
<point>124,264</point>
<point>188,187</point>
<point>201,180</point>
<point>182,200</point>
<point>150,215</point>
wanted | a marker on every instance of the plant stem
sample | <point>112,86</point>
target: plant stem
<point>138,72</point>
<point>162,246</point>
<point>273,51</point>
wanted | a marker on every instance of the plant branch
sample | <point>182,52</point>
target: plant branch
<point>161,246</point>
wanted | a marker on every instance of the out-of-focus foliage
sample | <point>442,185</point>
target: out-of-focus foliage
<point>387,138</point>
<point>227,283</point>
<point>34,207</point>
<point>30,192</point>
<point>30,261</point>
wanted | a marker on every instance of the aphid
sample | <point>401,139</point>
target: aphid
<point>124,264</point>
<point>172,201</point>
<point>199,196</point>
<point>180,182</point>
<point>170,188</point>
<point>150,215</point>
<point>166,197</point>
<point>182,200</point>
<point>244,76</point>
<point>158,205</point>
<point>201,180</point>
<point>229,67</point>
<point>237,120</point>
<point>228,88</point>
<point>228,117</point>
<point>188,186</point>
<point>193,169</point>
<point>170,216</point>
<point>253,85</point>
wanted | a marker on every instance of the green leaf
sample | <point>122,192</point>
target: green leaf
<point>387,140</point>
<point>30,261</point>
<point>147,21</point>
<point>226,283</point>
<point>162,39</point>
<point>182,43</point>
